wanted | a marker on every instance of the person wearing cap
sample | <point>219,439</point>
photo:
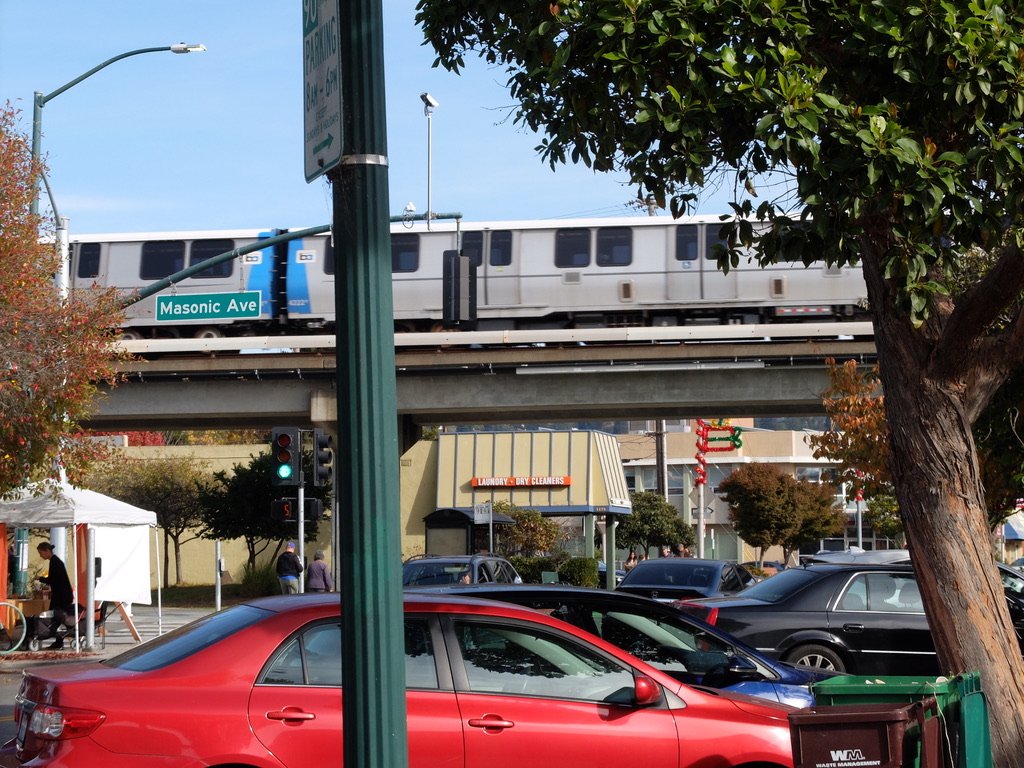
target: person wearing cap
<point>289,569</point>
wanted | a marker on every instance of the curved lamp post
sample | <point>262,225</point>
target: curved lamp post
<point>21,534</point>
<point>40,100</point>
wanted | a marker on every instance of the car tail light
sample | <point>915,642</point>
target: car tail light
<point>708,614</point>
<point>62,723</point>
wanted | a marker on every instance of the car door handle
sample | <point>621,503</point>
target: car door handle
<point>290,713</point>
<point>488,722</point>
<point>853,627</point>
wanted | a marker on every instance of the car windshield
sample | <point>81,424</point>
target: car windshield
<point>672,572</point>
<point>184,641</point>
<point>431,573</point>
<point>780,586</point>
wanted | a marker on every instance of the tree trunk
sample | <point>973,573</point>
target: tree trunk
<point>177,560</point>
<point>938,485</point>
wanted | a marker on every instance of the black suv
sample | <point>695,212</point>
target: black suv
<point>435,570</point>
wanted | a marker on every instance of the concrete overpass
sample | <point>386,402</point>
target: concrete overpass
<point>566,376</point>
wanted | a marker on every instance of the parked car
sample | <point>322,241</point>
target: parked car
<point>678,644</point>
<point>488,683</point>
<point>431,570</point>
<point>861,619</point>
<point>675,578</point>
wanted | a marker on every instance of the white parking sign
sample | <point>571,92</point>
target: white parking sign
<point>321,93</point>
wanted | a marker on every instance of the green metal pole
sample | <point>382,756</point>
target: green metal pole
<point>373,652</point>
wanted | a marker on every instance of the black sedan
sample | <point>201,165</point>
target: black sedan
<point>861,619</point>
<point>675,578</point>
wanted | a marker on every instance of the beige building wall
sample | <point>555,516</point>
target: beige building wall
<point>418,480</point>
<point>198,556</point>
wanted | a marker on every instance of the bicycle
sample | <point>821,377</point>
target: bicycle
<point>13,627</point>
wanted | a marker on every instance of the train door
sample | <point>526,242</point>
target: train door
<point>715,284</point>
<point>682,268</point>
<point>497,267</point>
<point>314,257</point>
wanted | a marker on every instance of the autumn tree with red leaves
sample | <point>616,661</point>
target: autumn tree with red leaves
<point>54,351</point>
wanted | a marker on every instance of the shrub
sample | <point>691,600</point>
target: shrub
<point>579,571</point>
<point>260,581</point>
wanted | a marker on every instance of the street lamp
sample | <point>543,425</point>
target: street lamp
<point>429,103</point>
<point>64,278</point>
<point>40,100</point>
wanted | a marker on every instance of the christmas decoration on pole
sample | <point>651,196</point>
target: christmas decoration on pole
<point>700,472</point>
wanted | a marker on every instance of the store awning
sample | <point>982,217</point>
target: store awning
<point>570,472</point>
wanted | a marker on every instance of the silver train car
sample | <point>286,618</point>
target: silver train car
<point>579,273</point>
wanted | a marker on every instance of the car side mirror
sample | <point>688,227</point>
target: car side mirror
<point>743,667</point>
<point>646,691</point>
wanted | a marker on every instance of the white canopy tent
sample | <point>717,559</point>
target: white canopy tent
<point>118,536</point>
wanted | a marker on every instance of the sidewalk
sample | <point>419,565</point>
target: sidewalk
<point>146,619</point>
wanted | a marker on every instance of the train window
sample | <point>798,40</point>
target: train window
<point>714,243</point>
<point>405,252</point>
<point>686,242</point>
<point>501,248</point>
<point>202,250</point>
<point>328,256</point>
<point>614,247</point>
<point>473,247</point>
<point>161,258</point>
<point>88,260</point>
<point>572,248</point>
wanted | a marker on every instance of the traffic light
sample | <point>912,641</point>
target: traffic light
<point>314,510</point>
<point>283,510</point>
<point>285,453</point>
<point>323,458</point>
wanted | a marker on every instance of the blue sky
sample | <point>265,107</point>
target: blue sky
<point>214,140</point>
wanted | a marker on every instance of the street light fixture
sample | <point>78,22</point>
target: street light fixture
<point>41,100</point>
<point>429,103</point>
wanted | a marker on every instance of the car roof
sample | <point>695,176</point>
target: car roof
<point>412,598</point>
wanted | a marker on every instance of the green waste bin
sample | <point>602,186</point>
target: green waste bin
<point>961,706</point>
<point>888,735</point>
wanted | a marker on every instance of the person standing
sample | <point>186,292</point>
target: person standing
<point>62,597</point>
<point>318,577</point>
<point>289,569</point>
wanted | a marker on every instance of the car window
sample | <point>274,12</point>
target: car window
<point>313,657</point>
<point>183,642</point>
<point>882,593</point>
<point>527,661</point>
<point>781,585</point>
<point>1014,582</point>
<point>731,579</point>
<point>674,647</point>
<point>428,573</point>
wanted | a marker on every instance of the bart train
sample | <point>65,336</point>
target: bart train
<point>580,273</point>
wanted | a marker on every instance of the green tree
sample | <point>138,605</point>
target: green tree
<point>892,130</point>
<point>530,534</point>
<point>761,505</point>
<point>237,506</point>
<point>171,487</point>
<point>652,523</point>
<point>54,351</point>
<point>818,514</point>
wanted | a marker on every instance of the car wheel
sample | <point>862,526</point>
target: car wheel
<point>818,657</point>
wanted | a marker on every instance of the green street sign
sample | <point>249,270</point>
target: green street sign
<point>208,306</point>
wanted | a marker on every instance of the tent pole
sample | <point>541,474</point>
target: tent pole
<point>90,587</point>
<point>159,587</point>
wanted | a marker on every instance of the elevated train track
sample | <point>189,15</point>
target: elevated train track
<point>490,377</point>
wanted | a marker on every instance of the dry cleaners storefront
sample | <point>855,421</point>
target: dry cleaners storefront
<point>449,487</point>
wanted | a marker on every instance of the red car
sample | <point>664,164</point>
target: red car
<point>488,684</point>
